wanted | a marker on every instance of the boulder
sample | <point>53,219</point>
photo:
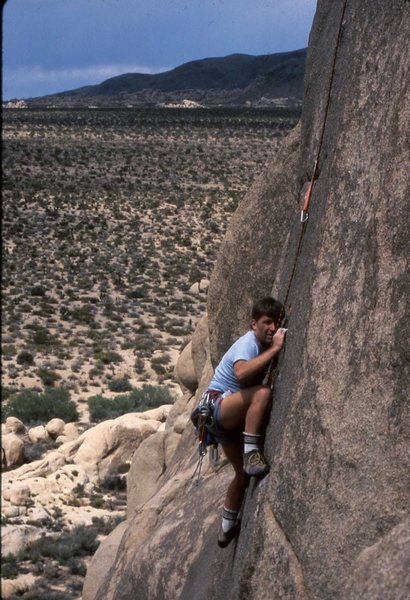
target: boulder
<point>13,425</point>
<point>200,346</point>
<point>38,468</point>
<point>147,466</point>
<point>180,407</point>
<point>12,450</point>
<point>10,511</point>
<point>156,414</point>
<point>111,444</point>
<point>199,286</point>
<point>55,427</point>
<point>70,433</point>
<point>12,588</point>
<point>38,434</point>
<point>185,370</point>
<point>15,538</point>
<point>20,494</point>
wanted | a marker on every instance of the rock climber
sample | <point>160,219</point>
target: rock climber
<point>240,406</point>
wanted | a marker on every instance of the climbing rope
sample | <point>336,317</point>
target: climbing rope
<point>304,215</point>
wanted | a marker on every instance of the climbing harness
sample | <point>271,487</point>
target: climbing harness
<point>304,215</point>
<point>202,418</point>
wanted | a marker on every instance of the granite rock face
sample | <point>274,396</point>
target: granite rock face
<point>330,522</point>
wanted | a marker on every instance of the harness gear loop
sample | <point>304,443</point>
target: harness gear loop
<point>204,418</point>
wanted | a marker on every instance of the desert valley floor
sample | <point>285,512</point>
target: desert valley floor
<point>112,221</point>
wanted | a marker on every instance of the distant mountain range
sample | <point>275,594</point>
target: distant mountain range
<point>235,80</point>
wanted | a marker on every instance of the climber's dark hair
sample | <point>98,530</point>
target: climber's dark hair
<point>268,307</point>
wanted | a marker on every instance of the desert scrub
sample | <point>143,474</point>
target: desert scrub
<point>80,542</point>
<point>108,356</point>
<point>25,358</point>
<point>8,350</point>
<point>120,385</point>
<point>158,363</point>
<point>31,407</point>
<point>139,400</point>
<point>11,567</point>
<point>42,338</point>
<point>48,376</point>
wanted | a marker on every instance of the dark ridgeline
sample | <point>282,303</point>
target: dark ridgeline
<point>232,80</point>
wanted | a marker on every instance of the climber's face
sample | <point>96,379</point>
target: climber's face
<point>265,328</point>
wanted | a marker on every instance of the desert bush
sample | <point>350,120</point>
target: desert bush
<point>151,396</point>
<point>6,392</point>
<point>82,314</point>
<point>25,358</point>
<point>139,365</point>
<point>106,525</point>
<point>108,356</point>
<point>48,376</point>
<point>102,408</point>
<point>119,385</point>
<point>42,337</point>
<point>10,567</point>
<point>36,451</point>
<point>77,566</point>
<point>30,406</point>
<point>8,350</point>
<point>138,400</point>
<point>37,290</point>
<point>79,542</point>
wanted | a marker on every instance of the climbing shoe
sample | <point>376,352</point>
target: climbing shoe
<point>254,464</point>
<point>226,537</point>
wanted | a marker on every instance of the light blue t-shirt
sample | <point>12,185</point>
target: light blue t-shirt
<point>245,348</point>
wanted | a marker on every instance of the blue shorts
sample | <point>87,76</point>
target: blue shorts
<point>222,436</point>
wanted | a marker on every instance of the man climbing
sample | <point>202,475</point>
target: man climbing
<point>240,405</point>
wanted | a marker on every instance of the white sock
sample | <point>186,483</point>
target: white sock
<point>229,518</point>
<point>251,441</point>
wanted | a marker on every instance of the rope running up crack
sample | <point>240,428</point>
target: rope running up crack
<point>269,378</point>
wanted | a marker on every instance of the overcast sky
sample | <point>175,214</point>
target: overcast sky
<point>55,45</point>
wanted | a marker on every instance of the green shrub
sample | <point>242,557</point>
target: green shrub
<point>10,567</point>
<point>138,400</point>
<point>77,566</point>
<point>6,392</point>
<point>48,376</point>
<point>25,358</point>
<point>30,406</point>
<point>37,290</point>
<point>79,542</point>
<point>158,364</point>
<point>82,314</point>
<point>108,356</point>
<point>102,408</point>
<point>42,337</point>
<point>120,385</point>
<point>8,350</point>
<point>151,396</point>
<point>105,525</point>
